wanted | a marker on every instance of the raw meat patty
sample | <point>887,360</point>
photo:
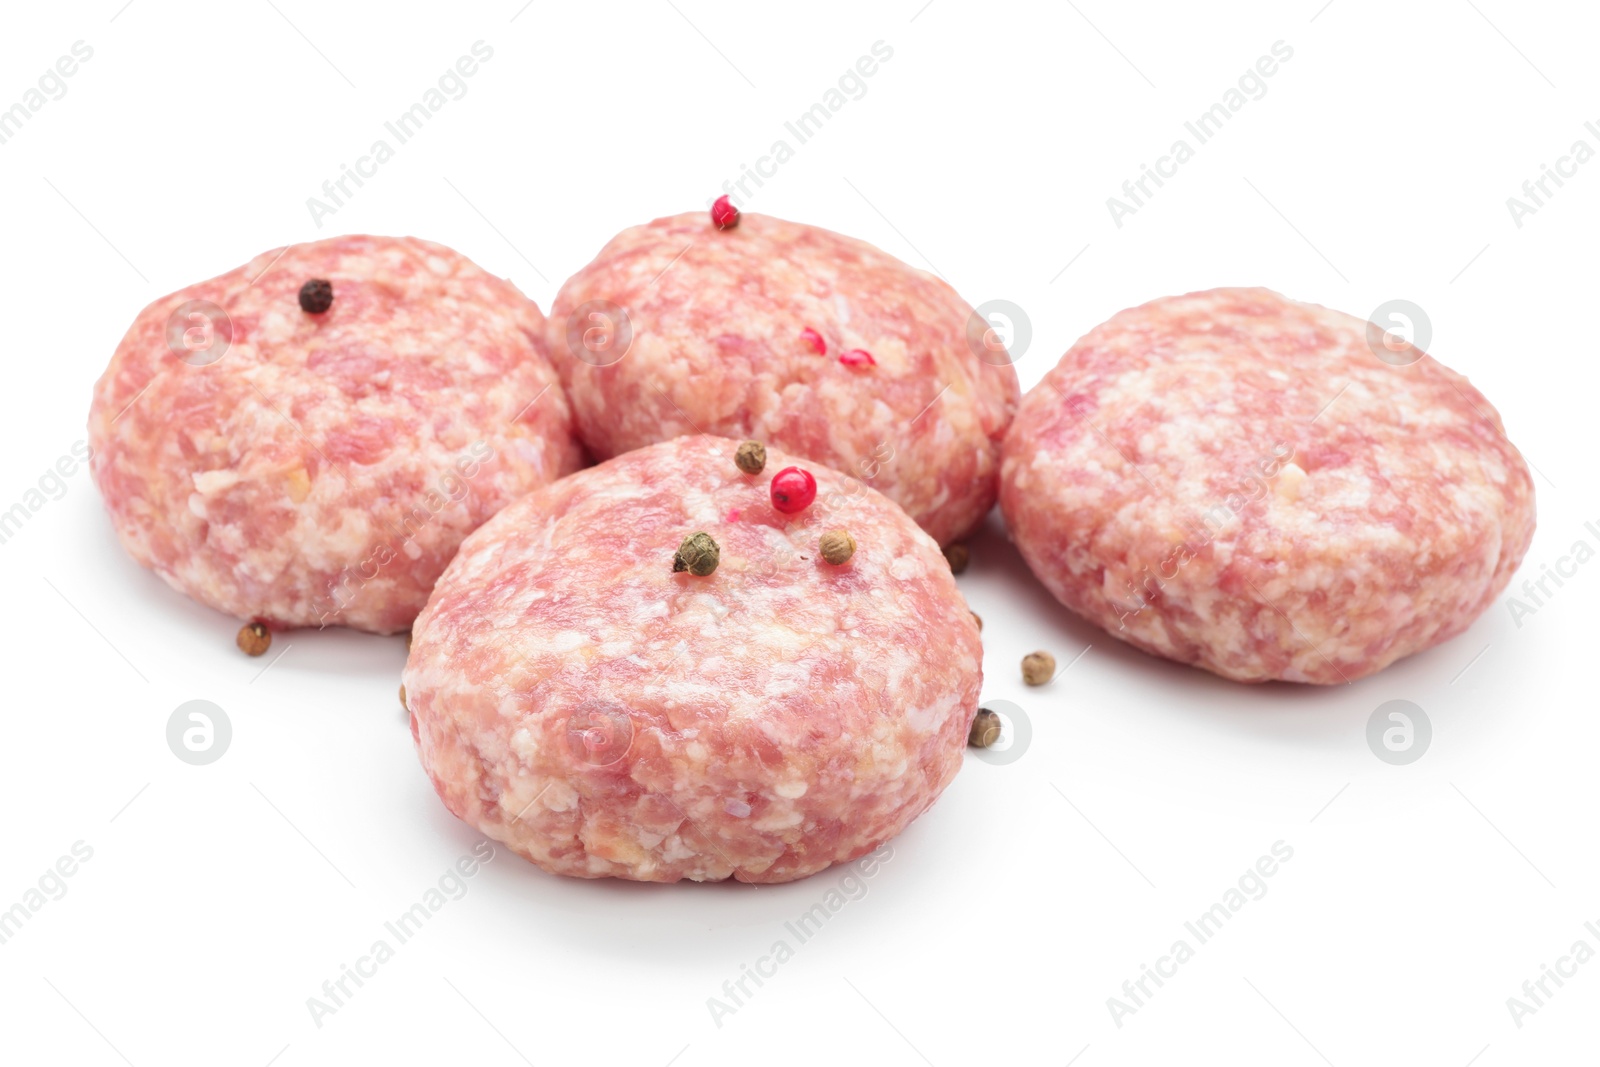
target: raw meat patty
<point>320,469</point>
<point>1233,479</point>
<point>603,716</point>
<point>716,318</point>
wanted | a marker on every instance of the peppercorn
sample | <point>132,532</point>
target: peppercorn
<point>985,729</point>
<point>699,555</point>
<point>1038,668</point>
<point>316,296</point>
<point>254,638</point>
<point>403,697</point>
<point>814,341</point>
<point>957,556</point>
<point>857,357</point>
<point>723,214</point>
<point>792,489</point>
<point>979,620</point>
<point>837,546</point>
<point>751,457</point>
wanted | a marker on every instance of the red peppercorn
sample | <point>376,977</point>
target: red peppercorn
<point>814,340</point>
<point>793,490</point>
<point>723,214</point>
<point>857,357</point>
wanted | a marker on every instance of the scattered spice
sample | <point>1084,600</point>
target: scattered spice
<point>1038,668</point>
<point>316,296</point>
<point>723,214</point>
<point>751,457</point>
<point>254,638</point>
<point>814,340</point>
<point>979,620</point>
<point>838,546</point>
<point>985,729</point>
<point>699,555</point>
<point>857,357</point>
<point>957,556</point>
<point>793,489</point>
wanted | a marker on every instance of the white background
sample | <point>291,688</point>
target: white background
<point>1377,166</point>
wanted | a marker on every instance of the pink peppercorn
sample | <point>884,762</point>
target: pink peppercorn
<point>723,214</point>
<point>793,489</point>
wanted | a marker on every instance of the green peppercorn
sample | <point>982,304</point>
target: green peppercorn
<point>699,555</point>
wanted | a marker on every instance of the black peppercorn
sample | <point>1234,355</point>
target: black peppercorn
<point>316,296</point>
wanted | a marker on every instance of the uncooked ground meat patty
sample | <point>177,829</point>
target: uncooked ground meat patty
<point>717,318</point>
<point>1234,480</point>
<point>308,469</point>
<point>576,699</point>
